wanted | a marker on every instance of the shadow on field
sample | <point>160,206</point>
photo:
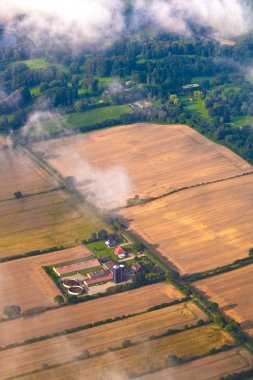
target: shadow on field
<point>246,325</point>
<point>229,307</point>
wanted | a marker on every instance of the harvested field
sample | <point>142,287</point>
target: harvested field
<point>208,368</point>
<point>140,328</point>
<point>200,228</point>
<point>130,302</point>
<point>43,221</point>
<point>233,292</point>
<point>24,282</point>
<point>19,173</point>
<point>156,158</point>
<point>141,358</point>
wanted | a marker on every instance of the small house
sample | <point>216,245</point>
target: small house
<point>120,252</point>
<point>136,267</point>
<point>111,242</point>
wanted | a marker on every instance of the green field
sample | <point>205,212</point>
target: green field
<point>200,80</point>
<point>241,121</point>
<point>106,81</point>
<point>39,63</point>
<point>197,106</point>
<point>35,91</point>
<point>100,250</point>
<point>82,119</point>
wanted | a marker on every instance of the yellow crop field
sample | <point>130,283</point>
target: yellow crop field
<point>156,158</point>
<point>209,368</point>
<point>136,329</point>
<point>133,301</point>
<point>233,292</point>
<point>139,359</point>
<point>19,173</point>
<point>24,282</point>
<point>200,228</point>
<point>43,221</point>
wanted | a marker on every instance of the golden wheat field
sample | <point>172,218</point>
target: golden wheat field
<point>208,368</point>
<point>233,292</point>
<point>136,360</point>
<point>156,158</point>
<point>24,282</point>
<point>19,173</point>
<point>200,228</point>
<point>137,329</point>
<point>43,221</point>
<point>133,301</point>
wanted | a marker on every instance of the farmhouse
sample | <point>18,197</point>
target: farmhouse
<point>136,267</point>
<point>120,252</point>
<point>110,242</point>
<point>110,264</point>
<point>75,267</point>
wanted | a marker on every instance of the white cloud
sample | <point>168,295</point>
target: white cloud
<point>97,21</point>
<point>226,17</point>
<point>80,20</point>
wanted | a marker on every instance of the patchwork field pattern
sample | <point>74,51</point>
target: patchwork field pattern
<point>43,221</point>
<point>157,158</point>
<point>130,302</point>
<point>233,292</point>
<point>200,228</point>
<point>24,282</point>
<point>136,329</point>
<point>137,360</point>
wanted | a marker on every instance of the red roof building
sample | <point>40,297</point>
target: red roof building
<point>119,251</point>
<point>99,279</point>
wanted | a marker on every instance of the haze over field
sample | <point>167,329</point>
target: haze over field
<point>88,21</point>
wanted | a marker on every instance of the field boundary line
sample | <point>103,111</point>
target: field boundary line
<point>88,325</point>
<point>24,196</point>
<point>152,199</point>
<point>101,353</point>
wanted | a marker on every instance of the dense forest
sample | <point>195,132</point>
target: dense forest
<point>194,80</point>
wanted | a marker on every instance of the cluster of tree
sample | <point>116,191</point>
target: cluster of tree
<point>101,235</point>
<point>230,102</point>
<point>159,67</point>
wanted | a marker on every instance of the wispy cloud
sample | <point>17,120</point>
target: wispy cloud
<point>225,17</point>
<point>100,21</point>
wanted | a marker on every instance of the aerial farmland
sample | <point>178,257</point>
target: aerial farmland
<point>36,290</point>
<point>157,159</point>
<point>136,329</point>
<point>126,190</point>
<point>234,300</point>
<point>178,215</point>
<point>53,321</point>
<point>190,227</point>
<point>15,165</point>
<point>132,361</point>
<point>211,367</point>
<point>37,213</point>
